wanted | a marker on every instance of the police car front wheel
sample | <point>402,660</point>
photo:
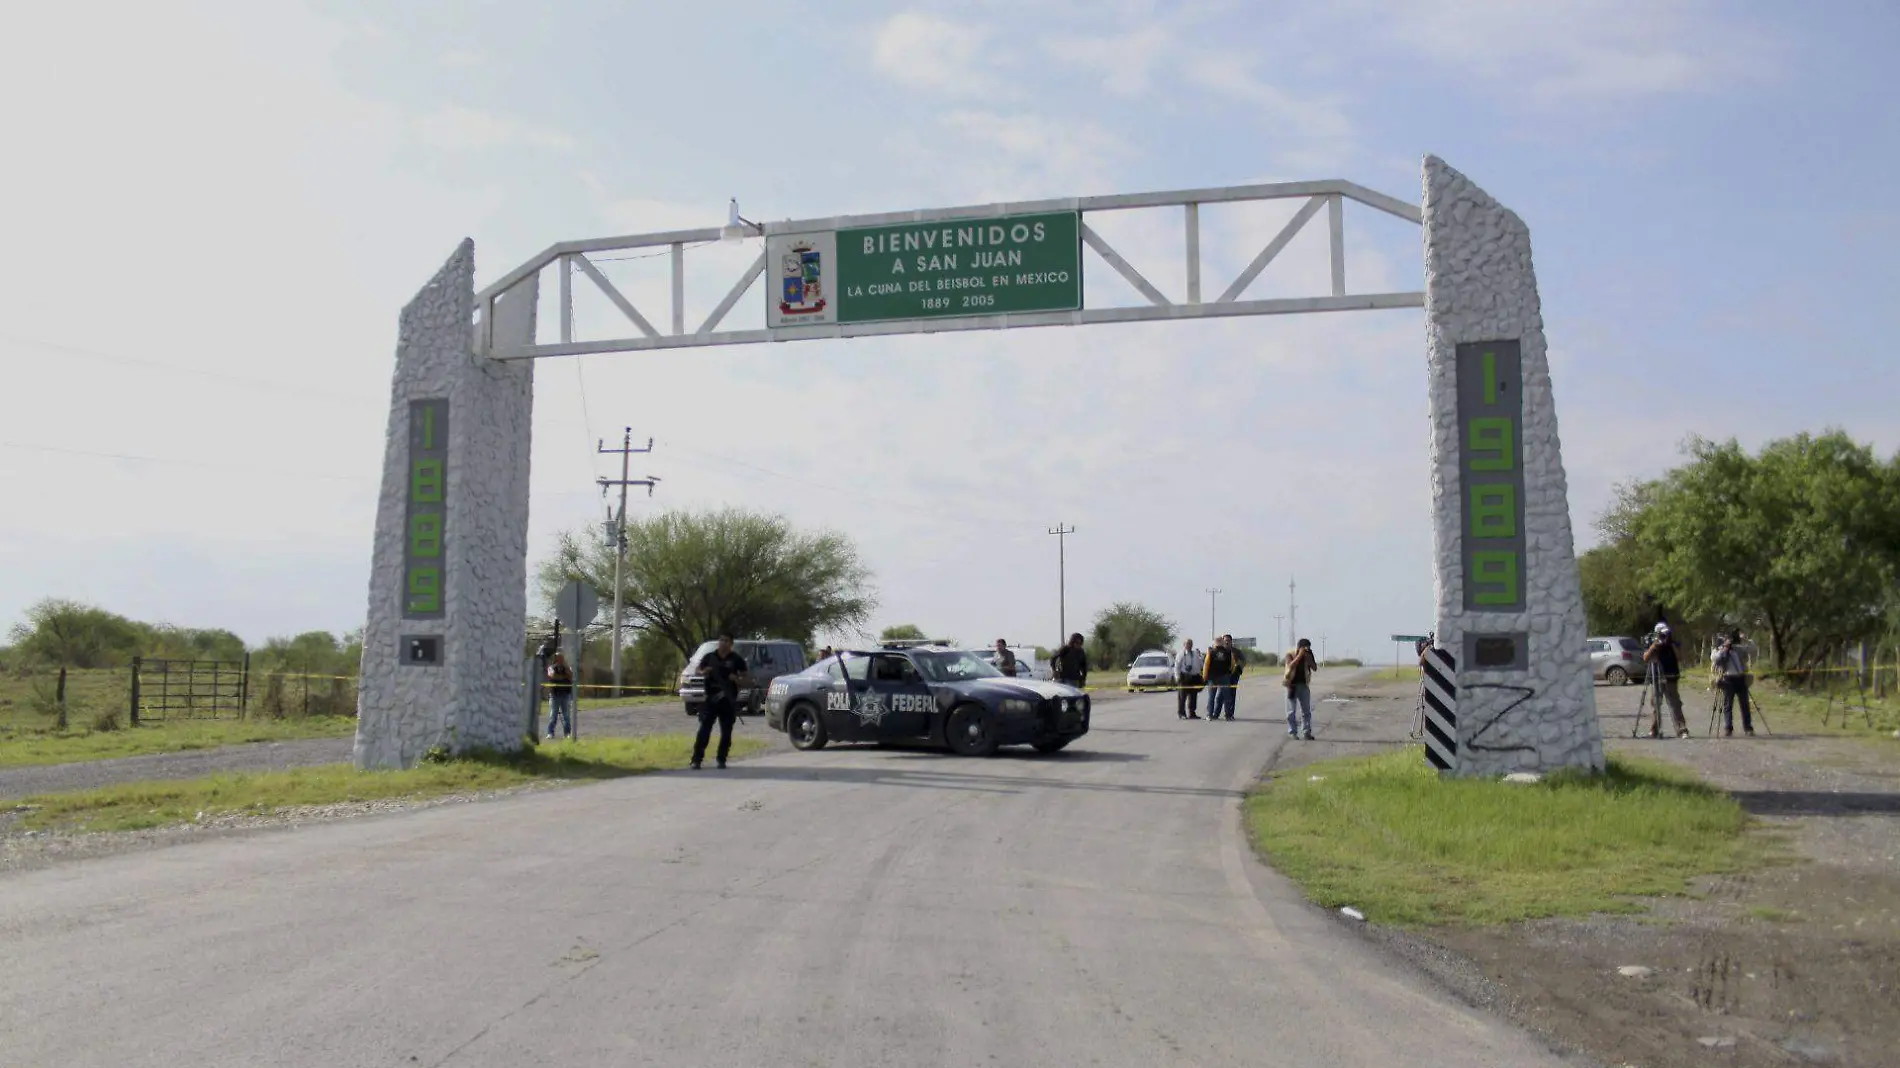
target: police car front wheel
<point>970,732</point>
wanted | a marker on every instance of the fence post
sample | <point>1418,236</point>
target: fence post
<point>62,697</point>
<point>135,690</point>
<point>244,687</point>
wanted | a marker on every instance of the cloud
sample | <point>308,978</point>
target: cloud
<point>460,129</point>
<point>1126,62</point>
<point>1282,110</point>
<point>927,52</point>
<point>1575,51</point>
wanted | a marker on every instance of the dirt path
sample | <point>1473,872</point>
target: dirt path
<point>1795,964</point>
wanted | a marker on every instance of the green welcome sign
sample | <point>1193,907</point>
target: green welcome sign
<point>950,268</point>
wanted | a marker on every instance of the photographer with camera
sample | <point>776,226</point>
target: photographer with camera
<point>1665,677</point>
<point>1731,665</point>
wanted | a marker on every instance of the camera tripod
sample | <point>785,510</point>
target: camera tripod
<point>1651,700</point>
<point>1715,707</point>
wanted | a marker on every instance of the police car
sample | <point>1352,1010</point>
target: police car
<point>929,694</point>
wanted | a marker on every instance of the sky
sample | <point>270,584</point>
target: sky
<point>212,213</point>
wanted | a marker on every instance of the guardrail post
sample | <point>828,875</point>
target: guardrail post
<point>136,661</point>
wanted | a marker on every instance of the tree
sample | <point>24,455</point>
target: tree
<point>898,632</point>
<point>70,634</point>
<point>1802,541</point>
<point>1124,630</point>
<point>690,576</point>
<point>315,652</point>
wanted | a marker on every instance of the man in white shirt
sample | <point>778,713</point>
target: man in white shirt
<point>1187,681</point>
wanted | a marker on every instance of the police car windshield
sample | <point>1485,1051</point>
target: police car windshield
<point>953,666</point>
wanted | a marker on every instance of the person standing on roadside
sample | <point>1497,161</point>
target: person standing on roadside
<point>560,695</point>
<point>1071,663</point>
<point>1187,681</point>
<point>1731,662</point>
<point>725,672</point>
<point>1298,680</point>
<point>1222,672</point>
<point>1005,660</point>
<point>1662,654</point>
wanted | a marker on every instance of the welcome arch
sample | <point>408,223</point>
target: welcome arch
<point>442,645</point>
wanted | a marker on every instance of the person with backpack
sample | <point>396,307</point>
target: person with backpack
<point>1187,682</point>
<point>1731,666</point>
<point>1298,680</point>
<point>560,696</point>
<point>1222,671</point>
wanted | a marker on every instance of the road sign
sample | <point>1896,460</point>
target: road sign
<point>950,268</point>
<point>1409,638</point>
<point>1247,643</point>
<point>576,605</point>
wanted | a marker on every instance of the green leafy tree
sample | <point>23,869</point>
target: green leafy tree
<point>690,576</point>
<point>316,652</point>
<point>898,632</point>
<point>65,633</point>
<point>1801,541</point>
<point>1124,630</point>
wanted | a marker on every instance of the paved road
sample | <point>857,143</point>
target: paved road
<point>854,908</point>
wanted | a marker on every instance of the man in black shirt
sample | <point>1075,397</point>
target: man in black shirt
<point>724,672</point>
<point>1665,684</point>
<point>1071,663</point>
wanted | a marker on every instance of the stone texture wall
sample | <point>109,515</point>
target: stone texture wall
<point>474,699</point>
<point>1479,286</point>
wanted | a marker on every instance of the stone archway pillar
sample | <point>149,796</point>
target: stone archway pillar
<point>443,644</point>
<point>1511,629</point>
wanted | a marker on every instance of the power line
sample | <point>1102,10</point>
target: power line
<point>160,365</point>
<point>136,458</point>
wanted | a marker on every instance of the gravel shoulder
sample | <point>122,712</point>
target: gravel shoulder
<point>1796,963</point>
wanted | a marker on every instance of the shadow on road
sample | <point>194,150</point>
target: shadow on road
<point>961,774</point>
<point>1816,803</point>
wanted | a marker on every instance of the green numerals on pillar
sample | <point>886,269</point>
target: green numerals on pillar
<point>425,590</point>
<point>1494,577</point>
<point>1491,474</point>
<point>425,525</point>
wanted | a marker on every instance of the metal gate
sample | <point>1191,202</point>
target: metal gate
<point>189,689</point>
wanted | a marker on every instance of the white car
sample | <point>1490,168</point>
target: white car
<point>1027,665</point>
<point>1151,669</point>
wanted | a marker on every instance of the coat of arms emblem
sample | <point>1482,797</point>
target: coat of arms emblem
<point>801,281</point>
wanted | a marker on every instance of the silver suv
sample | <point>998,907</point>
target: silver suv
<point>1616,660</point>
<point>767,659</point>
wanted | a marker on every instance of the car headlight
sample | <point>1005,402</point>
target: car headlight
<point>1071,705</point>
<point>1018,707</point>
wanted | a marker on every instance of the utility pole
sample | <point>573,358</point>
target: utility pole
<point>1062,580</point>
<point>1322,648</point>
<point>1279,640</point>
<point>1292,613</point>
<point>1213,627</point>
<point>617,529</point>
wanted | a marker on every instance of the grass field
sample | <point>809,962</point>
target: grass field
<point>138,806</point>
<point>27,701</point>
<point>1847,712</point>
<point>176,736</point>
<point>1387,836</point>
<point>98,723</point>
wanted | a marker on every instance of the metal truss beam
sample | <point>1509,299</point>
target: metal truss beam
<point>1330,194</point>
<point>1086,317</point>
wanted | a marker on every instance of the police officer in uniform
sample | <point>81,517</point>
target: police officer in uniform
<point>725,672</point>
